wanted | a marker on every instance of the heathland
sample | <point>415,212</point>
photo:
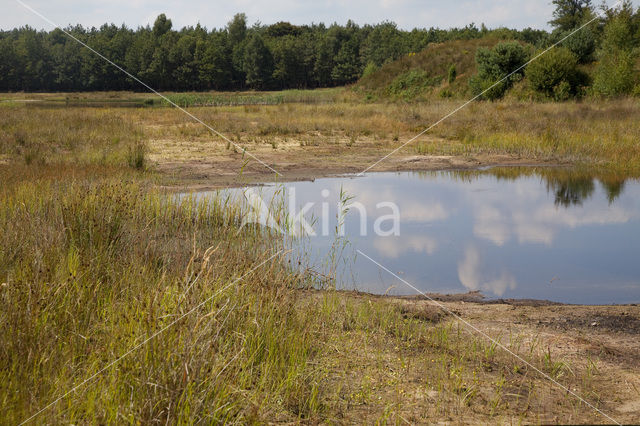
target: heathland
<point>96,255</point>
<point>122,303</point>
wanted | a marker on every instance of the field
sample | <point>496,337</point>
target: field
<point>97,255</point>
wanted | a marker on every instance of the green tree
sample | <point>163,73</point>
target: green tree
<point>347,67</point>
<point>237,29</point>
<point>384,43</point>
<point>324,60</point>
<point>182,57</point>
<point>568,14</point>
<point>496,64</point>
<point>215,67</point>
<point>237,37</point>
<point>615,74</point>
<point>555,74</point>
<point>161,26</point>
<point>581,43</point>
<point>10,66</point>
<point>258,63</point>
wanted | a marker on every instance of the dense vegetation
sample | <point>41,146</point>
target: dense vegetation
<point>601,59</point>
<point>237,57</point>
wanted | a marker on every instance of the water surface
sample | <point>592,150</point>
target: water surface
<point>550,234</point>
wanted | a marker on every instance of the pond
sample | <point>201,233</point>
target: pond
<point>535,233</point>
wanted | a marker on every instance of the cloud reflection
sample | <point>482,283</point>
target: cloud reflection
<point>470,275</point>
<point>526,215</point>
<point>394,247</point>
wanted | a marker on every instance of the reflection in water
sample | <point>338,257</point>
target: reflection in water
<point>542,233</point>
<point>570,187</point>
<point>572,191</point>
<point>614,187</point>
<point>471,277</point>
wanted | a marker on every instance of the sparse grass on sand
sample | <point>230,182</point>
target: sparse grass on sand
<point>94,259</point>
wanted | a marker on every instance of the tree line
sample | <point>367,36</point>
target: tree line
<point>237,57</point>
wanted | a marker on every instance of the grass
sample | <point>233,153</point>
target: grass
<point>602,134</point>
<point>94,258</point>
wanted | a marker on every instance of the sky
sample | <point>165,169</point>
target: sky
<point>407,14</point>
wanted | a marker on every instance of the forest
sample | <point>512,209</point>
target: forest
<point>278,56</point>
<point>237,57</point>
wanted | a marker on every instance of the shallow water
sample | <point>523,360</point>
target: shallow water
<point>539,233</point>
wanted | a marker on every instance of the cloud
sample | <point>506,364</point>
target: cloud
<point>423,212</point>
<point>408,14</point>
<point>491,225</point>
<point>470,275</point>
<point>527,215</point>
<point>394,247</point>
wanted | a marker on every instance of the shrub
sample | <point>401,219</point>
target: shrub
<point>412,83</point>
<point>446,93</point>
<point>136,156</point>
<point>562,91</point>
<point>452,74</point>
<point>494,65</point>
<point>614,75</point>
<point>581,43</point>
<point>558,67</point>
<point>369,69</point>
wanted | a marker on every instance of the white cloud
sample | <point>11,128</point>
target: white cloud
<point>215,14</point>
<point>470,275</point>
<point>394,247</point>
<point>527,215</point>
<point>491,225</point>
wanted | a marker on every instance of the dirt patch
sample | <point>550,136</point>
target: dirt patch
<point>196,166</point>
<point>622,323</point>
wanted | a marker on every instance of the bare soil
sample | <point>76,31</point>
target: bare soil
<point>196,166</point>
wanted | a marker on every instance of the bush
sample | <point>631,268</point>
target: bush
<point>494,65</point>
<point>136,156</point>
<point>614,75</point>
<point>412,83</point>
<point>582,44</point>
<point>452,74</point>
<point>556,73</point>
<point>369,69</point>
<point>562,91</point>
<point>486,88</point>
<point>446,93</point>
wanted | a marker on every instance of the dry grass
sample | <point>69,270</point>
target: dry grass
<point>93,259</point>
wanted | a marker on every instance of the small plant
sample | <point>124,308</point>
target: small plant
<point>452,74</point>
<point>446,93</point>
<point>136,155</point>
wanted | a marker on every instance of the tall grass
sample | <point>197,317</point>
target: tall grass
<point>89,269</point>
